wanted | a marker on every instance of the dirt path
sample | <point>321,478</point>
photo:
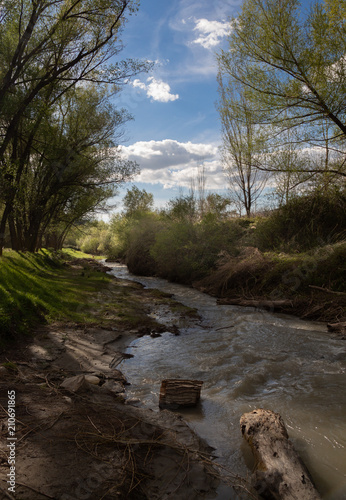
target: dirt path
<point>76,438</point>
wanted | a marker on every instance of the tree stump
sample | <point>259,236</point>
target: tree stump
<point>279,472</point>
<point>176,393</point>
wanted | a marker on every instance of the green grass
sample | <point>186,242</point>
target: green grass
<point>38,288</point>
<point>78,254</point>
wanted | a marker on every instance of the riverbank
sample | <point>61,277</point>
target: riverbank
<point>71,405</point>
<point>310,286</point>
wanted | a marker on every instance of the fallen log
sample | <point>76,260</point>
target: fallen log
<point>264,304</point>
<point>279,472</point>
<point>176,393</point>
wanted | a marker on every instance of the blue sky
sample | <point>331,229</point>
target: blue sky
<point>176,126</point>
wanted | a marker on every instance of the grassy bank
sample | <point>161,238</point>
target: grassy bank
<point>40,287</point>
<point>296,253</point>
<point>70,287</point>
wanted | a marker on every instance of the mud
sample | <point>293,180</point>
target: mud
<point>85,441</point>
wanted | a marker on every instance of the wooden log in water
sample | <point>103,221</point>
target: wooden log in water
<point>176,393</point>
<point>279,471</point>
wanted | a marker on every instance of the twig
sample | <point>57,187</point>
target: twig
<point>92,423</point>
<point>224,328</point>
<point>327,290</point>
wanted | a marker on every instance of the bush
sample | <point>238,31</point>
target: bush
<point>141,237</point>
<point>186,252</point>
<point>96,239</point>
<point>304,223</point>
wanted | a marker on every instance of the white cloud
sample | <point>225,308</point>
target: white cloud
<point>172,163</point>
<point>139,84</point>
<point>210,32</point>
<point>157,89</point>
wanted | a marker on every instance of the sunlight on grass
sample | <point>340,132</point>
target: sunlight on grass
<point>40,287</point>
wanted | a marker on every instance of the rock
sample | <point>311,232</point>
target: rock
<point>113,386</point>
<point>133,401</point>
<point>92,379</point>
<point>175,393</point>
<point>75,384</point>
<point>155,335</point>
<point>118,376</point>
<point>279,471</point>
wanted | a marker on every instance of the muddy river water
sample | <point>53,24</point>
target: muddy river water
<point>251,359</point>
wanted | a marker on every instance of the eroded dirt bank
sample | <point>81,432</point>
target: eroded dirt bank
<point>281,283</point>
<point>76,438</point>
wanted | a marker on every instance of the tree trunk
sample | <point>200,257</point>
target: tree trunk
<point>176,393</point>
<point>279,472</point>
<point>13,233</point>
<point>3,224</point>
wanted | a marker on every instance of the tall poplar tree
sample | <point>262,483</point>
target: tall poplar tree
<point>292,65</point>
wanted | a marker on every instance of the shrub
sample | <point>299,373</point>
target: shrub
<point>141,237</point>
<point>185,251</point>
<point>304,223</point>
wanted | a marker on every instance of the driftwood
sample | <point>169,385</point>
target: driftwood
<point>337,327</point>
<point>176,393</point>
<point>279,472</point>
<point>264,304</point>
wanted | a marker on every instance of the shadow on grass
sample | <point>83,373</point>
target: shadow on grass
<point>37,287</point>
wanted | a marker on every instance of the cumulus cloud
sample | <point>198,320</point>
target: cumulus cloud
<point>210,33</point>
<point>172,163</point>
<point>157,89</point>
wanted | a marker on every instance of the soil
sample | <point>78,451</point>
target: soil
<point>252,279</point>
<point>77,436</point>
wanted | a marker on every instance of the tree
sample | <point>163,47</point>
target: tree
<point>60,43</point>
<point>73,166</point>
<point>243,149</point>
<point>48,47</point>
<point>183,208</point>
<point>217,205</point>
<point>136,201</point>
<point>292,67</point>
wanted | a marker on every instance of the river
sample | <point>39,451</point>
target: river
<point>250,359</point>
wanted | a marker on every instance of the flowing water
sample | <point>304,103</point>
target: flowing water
<point>251,359</point>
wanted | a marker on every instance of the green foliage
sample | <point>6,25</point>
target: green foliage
<point>141,237</point>
<point>37,287</point>
<point>137,201</point>
<point>59,127</point>
<point>185,251</point>
<point>290,63</point>
<point>303,223</point>
<point>182,208</point>
<point>289,66</point>
<point>95,239</point>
